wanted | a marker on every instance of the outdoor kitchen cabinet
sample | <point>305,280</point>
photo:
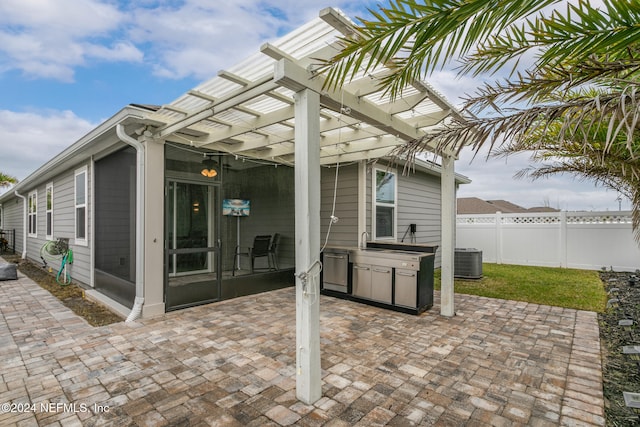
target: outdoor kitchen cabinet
<point>382,284</point>
<point>335,270</point>
<point>361,281</point>
<point>373,282</point>
<point>392,279</point>
<point>406,289</point>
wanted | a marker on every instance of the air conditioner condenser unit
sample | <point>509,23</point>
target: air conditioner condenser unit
<point>467,263</point>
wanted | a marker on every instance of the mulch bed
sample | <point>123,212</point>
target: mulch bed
<point>70,295</point>
<point>621,372</point>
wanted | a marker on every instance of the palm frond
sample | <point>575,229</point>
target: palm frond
<point>615,114</point>
<point>7,180</point>
<point>413,38</point>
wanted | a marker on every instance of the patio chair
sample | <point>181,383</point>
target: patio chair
<point>260,248</point>
<point>273,248</point>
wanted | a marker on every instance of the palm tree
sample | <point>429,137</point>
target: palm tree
<point>7,180</point>
<point>576,103</point>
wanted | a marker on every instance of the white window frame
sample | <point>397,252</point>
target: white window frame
<point>375,204</point>
<point>80,240</point>
<point>48,219</point>
<point>32,214</point>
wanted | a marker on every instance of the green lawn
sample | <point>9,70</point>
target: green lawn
<point>563,287</point>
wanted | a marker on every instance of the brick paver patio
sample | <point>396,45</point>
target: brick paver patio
<point>233,364</point>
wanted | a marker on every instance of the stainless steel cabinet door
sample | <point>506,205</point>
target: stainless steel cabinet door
<point>362,280</point>
<point>335,268</point>
<point>406,288</point>
<point>381,284</point>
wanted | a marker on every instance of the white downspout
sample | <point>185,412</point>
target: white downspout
<point>136,311</point>
<point>24,224</point>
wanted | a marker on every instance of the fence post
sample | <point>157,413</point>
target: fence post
<point>563,239</point>
<point>498,237</point>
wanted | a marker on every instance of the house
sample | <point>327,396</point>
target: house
<point>158,203</point>
<point>474,205</point>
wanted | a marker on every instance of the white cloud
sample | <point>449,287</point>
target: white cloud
<point>194,38</point>
<point>71,17</point>
<point>119,51</point>
<point>493,179</point>
<point>29,139</point>
<point>198,40</point>
<point>48,39</point>
<point>201,37</point>
<point>454,87</point>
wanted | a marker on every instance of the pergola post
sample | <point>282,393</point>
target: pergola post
<point>307,235</point>
<point>448,238</point>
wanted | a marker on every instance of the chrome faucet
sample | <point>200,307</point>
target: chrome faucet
<point>363,239</point>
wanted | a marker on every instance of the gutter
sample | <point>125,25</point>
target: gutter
<point>24,224</point>
<point>136,311</point>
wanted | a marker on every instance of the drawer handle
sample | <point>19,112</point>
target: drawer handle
<point>335,256</point>
<point>378,270</point>
<point>400,273</point>
<point>357,267</point>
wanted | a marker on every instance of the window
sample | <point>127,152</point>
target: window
<point>81,205</point>
<point>384,203</point>
<point>49,211</point>
<point>32,219</point>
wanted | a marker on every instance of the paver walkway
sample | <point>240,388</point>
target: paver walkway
<point>233,364</point>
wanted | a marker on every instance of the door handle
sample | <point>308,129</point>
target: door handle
<point>400,273</point>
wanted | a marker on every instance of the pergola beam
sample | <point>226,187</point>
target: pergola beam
<point>251,125</point>
<point>425,121</point>
<point>330,124</point>
<point>186,113</point>
<point>353,157</point>
<point>296,78</point>
<point>367,84</point>
<point>404,104</point>
<point>373,135</point>
<point>437,98</point>
<point>337,21</point>
<point>231,100</point>
<point>344,151</point>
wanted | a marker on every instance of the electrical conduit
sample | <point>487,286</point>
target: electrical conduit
<point>136,311</point>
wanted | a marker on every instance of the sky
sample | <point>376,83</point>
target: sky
<point>68,65</point>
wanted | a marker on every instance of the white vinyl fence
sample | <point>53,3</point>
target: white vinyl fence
<point>585,240</point>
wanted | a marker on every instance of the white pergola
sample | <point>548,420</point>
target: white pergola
<point>273,107</point>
